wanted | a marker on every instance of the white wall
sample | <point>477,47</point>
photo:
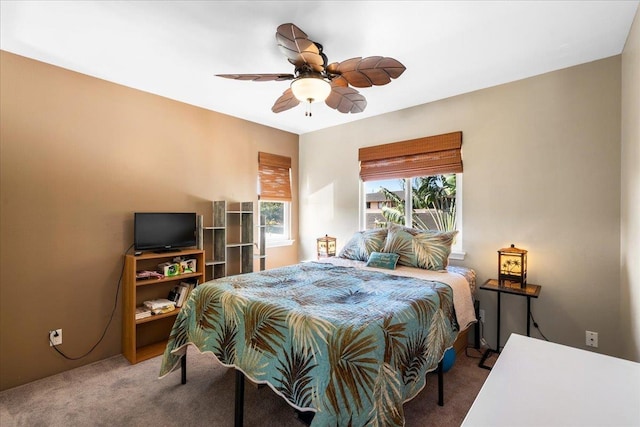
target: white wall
<point>630,200</point>
<point>541,170</point>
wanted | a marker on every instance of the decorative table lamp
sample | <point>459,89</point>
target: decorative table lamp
<point>512,266</point>
<point>326,246</point>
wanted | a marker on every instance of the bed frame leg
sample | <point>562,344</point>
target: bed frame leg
<point>239,399</point>
<point>183,368</point>
<point>440,385</point>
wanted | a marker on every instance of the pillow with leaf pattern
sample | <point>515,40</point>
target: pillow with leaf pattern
<point>362,243</point>
<point>427,249</point>
<point>383,260</point>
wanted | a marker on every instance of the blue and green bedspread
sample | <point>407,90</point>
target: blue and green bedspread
<point>350,344</point>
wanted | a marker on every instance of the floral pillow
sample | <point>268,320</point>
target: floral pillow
<point>428,249</point>
<point>360,246</point>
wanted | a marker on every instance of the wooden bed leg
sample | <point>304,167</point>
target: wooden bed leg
<point>183,368</point>
<point>440,385</point>
<point>239,399</point>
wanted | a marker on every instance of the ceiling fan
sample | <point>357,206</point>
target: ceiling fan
<point>314,80</point>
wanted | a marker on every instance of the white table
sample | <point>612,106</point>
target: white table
<point>538,383</point>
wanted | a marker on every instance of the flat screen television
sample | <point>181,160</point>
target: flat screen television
<point>163,231</point>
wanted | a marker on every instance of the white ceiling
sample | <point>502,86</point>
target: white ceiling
<point>174,48</point>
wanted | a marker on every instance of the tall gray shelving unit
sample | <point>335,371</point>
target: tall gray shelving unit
<point>262,254</point>
<point>230,250</point>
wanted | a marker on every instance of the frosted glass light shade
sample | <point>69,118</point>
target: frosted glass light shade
<point>311,89</point>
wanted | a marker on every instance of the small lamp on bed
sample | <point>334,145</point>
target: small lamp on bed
<point>512,266</point>
<point>326,246</point>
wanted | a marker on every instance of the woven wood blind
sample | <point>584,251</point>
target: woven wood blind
<point>432,155</point>
<point>274,177</point>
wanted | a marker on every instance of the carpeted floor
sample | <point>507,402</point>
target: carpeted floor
<point>114,393</point>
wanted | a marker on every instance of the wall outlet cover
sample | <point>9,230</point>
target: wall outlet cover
<point>591,339</point>
<point>55,337</point>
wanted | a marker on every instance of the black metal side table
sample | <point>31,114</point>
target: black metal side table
<point>531,291</point>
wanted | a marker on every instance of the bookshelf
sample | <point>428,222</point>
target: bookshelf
<point>145,338</point>
<point>230,248</point>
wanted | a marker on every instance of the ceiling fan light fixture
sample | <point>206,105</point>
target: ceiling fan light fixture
<point>310,88</point>
<point>317,80</point>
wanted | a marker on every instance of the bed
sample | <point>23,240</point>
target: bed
<point>349,343</point>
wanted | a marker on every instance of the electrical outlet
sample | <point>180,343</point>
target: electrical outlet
<point>591,339</point>
<point>482,316</point>
<point>55,337</point>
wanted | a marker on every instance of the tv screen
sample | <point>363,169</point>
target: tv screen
<point>164,230</point>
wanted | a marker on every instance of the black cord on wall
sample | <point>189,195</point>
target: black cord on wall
<point>536,326</point>
<point>104,332</point>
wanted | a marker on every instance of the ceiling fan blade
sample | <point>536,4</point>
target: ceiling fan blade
<point>346,99</point>
<point>339,81</point>
<point>257,77</point>
<point>295,45</point>
<point>367,72</point>
<point>285,102</point>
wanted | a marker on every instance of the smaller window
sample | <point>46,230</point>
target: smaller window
<point>276,217</point>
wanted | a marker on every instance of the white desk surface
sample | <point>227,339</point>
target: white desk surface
<point>538,383</point>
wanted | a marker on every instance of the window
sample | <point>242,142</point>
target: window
<point>433,202</point>
<point>415,183</point>
<point>274,192</point>
<point>276,217</point>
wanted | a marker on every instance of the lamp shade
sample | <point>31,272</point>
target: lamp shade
<point>310,88</point>
<point>326,246</point>
<point>512,266</point>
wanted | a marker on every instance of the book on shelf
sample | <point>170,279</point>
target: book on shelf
<point>174,295</point>
<point>142,312</point>
<point>179,293</point>
<point>186,290</point>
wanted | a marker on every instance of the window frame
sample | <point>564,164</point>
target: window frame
<point>457,251</point>
<point>280,241</point>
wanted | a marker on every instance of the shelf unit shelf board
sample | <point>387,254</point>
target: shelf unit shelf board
<point>149,351</point>
<point>238,245</point>
<point>166,279</point>
<point>154,317</point>
<point>215,262</point>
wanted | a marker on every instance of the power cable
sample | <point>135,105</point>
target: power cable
<point>536,326</point>
<point>104,332</point>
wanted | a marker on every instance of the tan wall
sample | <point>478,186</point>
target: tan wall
<point>78,156</point>
<point>541,170</point>
<point>630,192</point>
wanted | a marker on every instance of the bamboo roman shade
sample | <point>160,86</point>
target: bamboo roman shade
<point>274,177</point>
<point>432,155</point>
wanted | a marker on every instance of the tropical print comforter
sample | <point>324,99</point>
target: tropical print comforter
<point>350,344</point>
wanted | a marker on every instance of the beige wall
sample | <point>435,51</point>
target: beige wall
<point>78,156</point>
<point>630,200</point>
<point>541,170</point>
